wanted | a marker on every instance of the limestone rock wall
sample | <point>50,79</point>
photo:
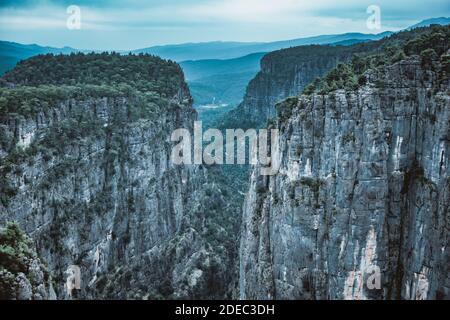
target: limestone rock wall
<point>111,202</point>
<point>364,184</point>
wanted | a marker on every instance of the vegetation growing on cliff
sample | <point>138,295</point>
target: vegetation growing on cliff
<point>16,256</point>
<point>284,109</point>
<point>14,248</point>
<point>430,46</point>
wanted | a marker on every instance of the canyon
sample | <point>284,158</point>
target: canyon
<point>363,185</point>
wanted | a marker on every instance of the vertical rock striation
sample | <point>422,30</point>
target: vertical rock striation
<point>284,73</point>
<point>364,185</point>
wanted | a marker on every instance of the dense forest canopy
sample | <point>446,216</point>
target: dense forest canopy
<point>290,57</point>
<point>42,81</point>
<point>144,72</point>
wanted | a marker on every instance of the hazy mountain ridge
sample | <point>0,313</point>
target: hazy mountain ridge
<point>443,21</point>
<point>207,89</point>
<point>221,81</point>
<point>231,50</point>
<point>12,52</point>
<point>205,63</point>
<point>196,69</point>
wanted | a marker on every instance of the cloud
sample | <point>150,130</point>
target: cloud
<point>142,23</point>
<point>245,11</point>
<point>129,13</point>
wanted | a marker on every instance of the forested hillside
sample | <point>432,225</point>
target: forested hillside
<point>286,72</point>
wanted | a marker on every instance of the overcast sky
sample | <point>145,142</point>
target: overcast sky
<point>132,24</point>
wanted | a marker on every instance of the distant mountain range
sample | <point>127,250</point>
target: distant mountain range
<point>196,69</point>
<point>216,70</point>
<point>221,80</point>
<point>230,50</point>
<point>425,23</point>
<point>12,52</point>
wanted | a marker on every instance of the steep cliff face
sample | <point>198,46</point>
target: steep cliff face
<point>90,179</point>
<point>285,73</point>
<point>364,184</point>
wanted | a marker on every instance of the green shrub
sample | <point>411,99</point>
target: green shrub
<point>14,249</point>
<point>428,56</point>
<point>285,108</point>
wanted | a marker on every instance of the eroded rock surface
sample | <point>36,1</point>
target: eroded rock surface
<point>364,184</point>
<point>90,179</point>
